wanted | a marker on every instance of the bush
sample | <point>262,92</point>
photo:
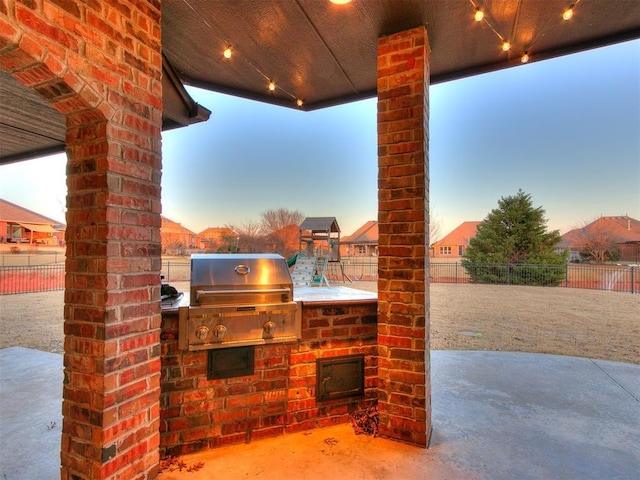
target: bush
<point>516,274</point>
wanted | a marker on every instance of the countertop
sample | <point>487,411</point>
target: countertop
<point>305,295</point>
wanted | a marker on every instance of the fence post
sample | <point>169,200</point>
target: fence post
<point>566,275</point>
<point>508,274</point>
<point>456,272</point>
<point>632,285</point>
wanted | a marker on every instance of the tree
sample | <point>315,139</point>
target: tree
<point>285,241</point>
<point>274,220</point>
<point>595,242</point>
<point>434,226</point>
<point>510,239</point>
<point>280,227</point>
<point>250,238</point>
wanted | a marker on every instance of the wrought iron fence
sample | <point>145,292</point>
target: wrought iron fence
<point>31,259</point>
<point>176,271</point>
<point>23,279</point>
<point>616,278</point>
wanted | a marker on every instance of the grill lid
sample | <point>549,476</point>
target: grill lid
<point>228,278</point>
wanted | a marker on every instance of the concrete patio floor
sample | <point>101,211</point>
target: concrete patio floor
<point>496,415</point>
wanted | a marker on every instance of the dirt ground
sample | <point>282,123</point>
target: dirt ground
<point>585,323</point>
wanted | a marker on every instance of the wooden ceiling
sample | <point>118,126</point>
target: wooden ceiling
<point>326,54</point>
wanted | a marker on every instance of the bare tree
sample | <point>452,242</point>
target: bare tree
<point>285,241</point>
<point>250,238</point>
<point>434,226</point>
<point>276,219</point>
<point>595,242</point>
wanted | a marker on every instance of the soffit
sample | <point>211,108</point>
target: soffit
<point>30,127</point>
<point>326,54</point>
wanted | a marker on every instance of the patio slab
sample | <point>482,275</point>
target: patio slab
<point>496,416</point>
<point>30,414</point>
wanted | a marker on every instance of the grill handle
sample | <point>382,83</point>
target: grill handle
<point>203,294</point>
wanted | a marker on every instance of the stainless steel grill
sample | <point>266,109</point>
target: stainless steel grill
<point>239,300</point>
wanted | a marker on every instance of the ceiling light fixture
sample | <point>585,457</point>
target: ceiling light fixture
<point>568,13</point>
<point>505,46</point>
<point>340,2</point>
<point>299,102</point>
<point>227,52</point>
<point>479,15</point>
<point>524,58</point>
<point>272,85</point>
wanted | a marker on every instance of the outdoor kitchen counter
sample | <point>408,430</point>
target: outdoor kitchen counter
<point>306,295</point>
<point>332,295</point>
<point>173,305</point>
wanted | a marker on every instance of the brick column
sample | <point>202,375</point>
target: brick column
<point>100,64</point>
<point>404,388</point>
<point>112,310</point>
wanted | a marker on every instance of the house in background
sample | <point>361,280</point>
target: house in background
<point>455,244</point>
<point>362,243</point>
<point>175,237</point>
<point>623,231</point>
<point>19,225</point>
<point>218,239</point>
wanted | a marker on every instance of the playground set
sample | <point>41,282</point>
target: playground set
<point>318,256</point>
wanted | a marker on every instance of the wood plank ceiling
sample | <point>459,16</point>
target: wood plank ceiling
<point>324,54</point>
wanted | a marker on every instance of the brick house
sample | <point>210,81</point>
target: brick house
<point>454,244</point>
<point>176,237</point>
<point>361,243</point>
<point>97,80</point>
<point>20,225</point>
<point>623,231</point>
<point>215,239</point>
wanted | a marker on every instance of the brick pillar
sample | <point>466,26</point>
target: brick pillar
<point>112,310</point>
<point>404,389</point>
<point>112,314</point>
<point>100,64</point>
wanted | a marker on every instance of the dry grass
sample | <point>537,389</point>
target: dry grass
<point>586,323</point>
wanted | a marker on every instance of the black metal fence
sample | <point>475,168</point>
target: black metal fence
<point>22,279</point>
<point>615,278</point>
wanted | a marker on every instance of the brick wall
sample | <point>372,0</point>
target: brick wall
<point>279,397</point>
<point>99,64</point>
<point>403,198</point>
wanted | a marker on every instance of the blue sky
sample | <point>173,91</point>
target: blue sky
<point>566,131</point>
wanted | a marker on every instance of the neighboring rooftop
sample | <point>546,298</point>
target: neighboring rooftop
<point>623,229</point>
<point>10,212</point>
<point>459,235</point>
<point>366,234</point>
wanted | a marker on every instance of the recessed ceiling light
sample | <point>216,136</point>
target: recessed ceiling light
<point>340,2</point>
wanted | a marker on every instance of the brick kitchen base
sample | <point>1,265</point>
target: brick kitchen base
<point>279,397</point>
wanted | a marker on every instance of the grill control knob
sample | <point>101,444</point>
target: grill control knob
<point>269,329</point>
<point>219,331</point>
<point>202,332</point>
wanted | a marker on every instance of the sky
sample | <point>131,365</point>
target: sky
<point>566,131</point>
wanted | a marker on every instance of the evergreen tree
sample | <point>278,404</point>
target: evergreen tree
<point>509,241</point>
